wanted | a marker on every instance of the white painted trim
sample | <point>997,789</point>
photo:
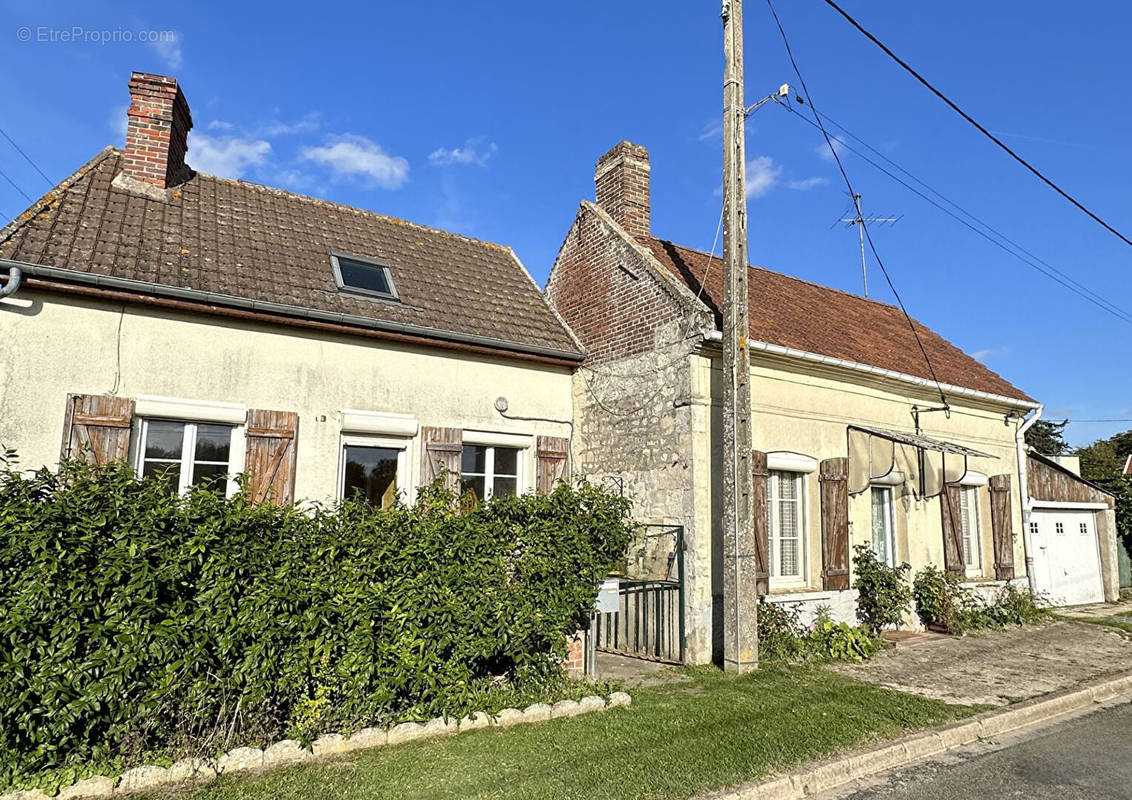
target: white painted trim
<point>182,409</point>
<point>1067,506</point>
<point>379,422</point>
<point>398,443</point>
<point>790,462</point>
<point>498,439</point>
<point>813,596</point>
<point>973,478</point>
<point>902,377</point>
<point>894,478</point>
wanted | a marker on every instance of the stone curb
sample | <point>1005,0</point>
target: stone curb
<point>831,773</point>
<point>148,777</point>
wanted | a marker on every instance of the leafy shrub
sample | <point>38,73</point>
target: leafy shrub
<point>883,594</point>
<point>942,602</point>
<point>783,637</point>
<point>135,621</point>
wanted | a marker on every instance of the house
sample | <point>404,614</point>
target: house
<point>852,443</point>
<point>203,327</point>
<point>1127,466</point>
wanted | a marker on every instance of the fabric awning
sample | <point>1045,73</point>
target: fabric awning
<point>929,465</point>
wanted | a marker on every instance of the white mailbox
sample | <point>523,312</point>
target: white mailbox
<point>609,596</point>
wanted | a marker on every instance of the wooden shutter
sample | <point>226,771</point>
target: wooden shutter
<point>834,477</point>
<point>270,460</point>
<point>1002,527</point>
<point>759,477</point>
<point>552,462</point>
<point>442,449</point>
<point>96,428</point>
<point>952,530</point>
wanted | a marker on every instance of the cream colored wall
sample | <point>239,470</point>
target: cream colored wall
<point>53,344</point>
<point>805,408</point>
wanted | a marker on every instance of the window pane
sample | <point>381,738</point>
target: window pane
<point>473,486</point>
<point>163,439</point>
<point>788,551</point>
<point>371,473</point>
<point>504,487</point>
<point>358,275</point>
<point>880,498</point>
<point>211,476</point>
<point>474,458</point>
<point>167,470</point>
<point>213,443</point>
<point>506,461</point>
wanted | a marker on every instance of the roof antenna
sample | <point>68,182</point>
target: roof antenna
<point>860,221</point>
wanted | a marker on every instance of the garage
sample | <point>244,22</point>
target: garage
<point>1067,563</point>
<point>1070,535</point>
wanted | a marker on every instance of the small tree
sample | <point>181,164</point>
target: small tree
<point>1048,437</point>
<point>883,593</point>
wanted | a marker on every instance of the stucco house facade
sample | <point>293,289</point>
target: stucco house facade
<point>848,447</point>
<point>204,327</point>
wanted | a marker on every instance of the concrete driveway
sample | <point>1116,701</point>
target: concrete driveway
<point>999,667</point>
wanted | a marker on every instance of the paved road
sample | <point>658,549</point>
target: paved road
<point>1087,758</point>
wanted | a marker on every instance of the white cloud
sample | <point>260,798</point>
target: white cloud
<point>352,156</point>
<point>219,124</point>
<point>984,355</point>
<point>471,153</point>
<point>823,148</point>
<point>309,122</point>
<point>167,45</point>
<point>120,123</point>
<point>227,156</point>
<point>712,130</point>
<point>805,184</point>
<point>762,175</point>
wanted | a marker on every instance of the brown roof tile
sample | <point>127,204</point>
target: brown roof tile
<point>257,243</point>
<point>794,313</point>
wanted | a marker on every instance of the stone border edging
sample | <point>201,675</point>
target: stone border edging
<point>290,751</point>
<point>836,771</point>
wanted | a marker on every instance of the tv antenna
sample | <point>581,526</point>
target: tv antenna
<point>859,221</point>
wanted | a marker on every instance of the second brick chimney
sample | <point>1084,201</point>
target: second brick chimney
<point>621,178</point>
<point>158,130</point>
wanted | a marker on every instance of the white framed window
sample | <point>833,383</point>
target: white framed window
<point>1033,529</point>
<point>490,470</point>
<point>884,525</point>
<point>786,525</point>
<point>1059,528</point>
<point>1084,529</point>
<point>969,523</point>
<point>186,454</point>
<point>374,469</point>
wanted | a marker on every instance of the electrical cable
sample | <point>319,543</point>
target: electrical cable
<point>1081,206</point>
<point>852,192</point>
<point>26,157</point>
<point>4,175</point>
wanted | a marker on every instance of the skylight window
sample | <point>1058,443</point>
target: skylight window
<point>362,276</point>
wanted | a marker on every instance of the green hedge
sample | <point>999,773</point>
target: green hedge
<point>133,621</point>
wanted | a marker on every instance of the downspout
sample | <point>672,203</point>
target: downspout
<point>15,275</point>
<point>1024,495</point>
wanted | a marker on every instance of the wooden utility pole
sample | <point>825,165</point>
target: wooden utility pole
<point>740,599</point>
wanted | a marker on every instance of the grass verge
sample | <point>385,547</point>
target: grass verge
<point>1107,622</point>
<point>677,740</point>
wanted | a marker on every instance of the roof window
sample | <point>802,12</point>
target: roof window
<point>363,276</point>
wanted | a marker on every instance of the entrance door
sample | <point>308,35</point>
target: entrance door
<point>1067,562</point>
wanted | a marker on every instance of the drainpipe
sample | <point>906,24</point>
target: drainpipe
<point>15,275</point>
<point>1024,495</point>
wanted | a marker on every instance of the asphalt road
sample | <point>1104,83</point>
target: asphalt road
<point>1087,758</point>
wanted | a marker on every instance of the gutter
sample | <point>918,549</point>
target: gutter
<point>15,276</point>
<point>856,366</point>
<point>1024,495</point>
<point>266,309</point>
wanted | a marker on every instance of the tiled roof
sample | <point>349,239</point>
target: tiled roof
<point>256,243</point>
<point>794,313</point>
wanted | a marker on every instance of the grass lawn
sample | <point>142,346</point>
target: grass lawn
<point>677,740</point>
<point>1123,624</point>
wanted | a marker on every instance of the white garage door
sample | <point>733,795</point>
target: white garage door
<point>1067,562</point>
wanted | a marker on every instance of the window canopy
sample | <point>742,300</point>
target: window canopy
<point>878,455</point>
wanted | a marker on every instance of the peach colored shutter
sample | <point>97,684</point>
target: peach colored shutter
<point>552,459</point>
<point>96,428</point>
<point>1002,530</point>
<point>442,448</point>
<point>952,530</point>
<point>760,522</point>
<point>270,465</point>
<point>833,474</point>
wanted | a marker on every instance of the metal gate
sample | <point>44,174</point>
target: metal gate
<point>650,621</point>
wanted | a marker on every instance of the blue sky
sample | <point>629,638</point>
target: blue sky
<point>486,119</point>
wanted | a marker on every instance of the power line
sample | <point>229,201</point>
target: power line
<point>852,192</point>
<point>4,175</point>
<point>26,157</point>
<point>1033,261</point>
<point>977,126</point>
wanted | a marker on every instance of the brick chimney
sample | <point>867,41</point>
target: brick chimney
<point>158,130</point>
<point>622,181</point>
